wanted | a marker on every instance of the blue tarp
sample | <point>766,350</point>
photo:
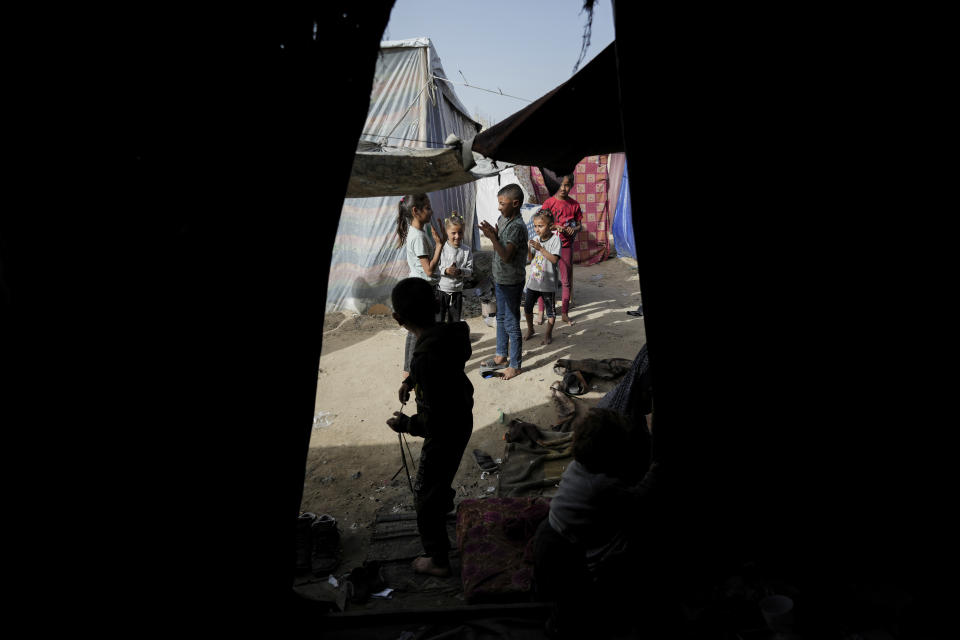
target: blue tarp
<point>623,221</point>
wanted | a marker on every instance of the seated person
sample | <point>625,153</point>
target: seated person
<point>582,548</point>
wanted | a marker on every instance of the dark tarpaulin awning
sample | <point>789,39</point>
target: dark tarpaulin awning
<point>577,119</point>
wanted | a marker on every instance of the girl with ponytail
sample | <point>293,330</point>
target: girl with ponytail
<point>414,215</point>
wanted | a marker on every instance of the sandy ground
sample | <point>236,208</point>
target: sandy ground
<point>352,462</point>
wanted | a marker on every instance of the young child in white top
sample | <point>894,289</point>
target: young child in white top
<point>544,253</point>
<point>456,263</point>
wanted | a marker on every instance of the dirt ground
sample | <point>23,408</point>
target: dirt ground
<point>353,462</point>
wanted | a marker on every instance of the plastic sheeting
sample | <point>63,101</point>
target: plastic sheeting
<point>623,240</point>
<point>408,108</point>
<point>487,189</point>
<point>615,163</point>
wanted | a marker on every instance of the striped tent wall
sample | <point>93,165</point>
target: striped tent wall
<point>408,108</point>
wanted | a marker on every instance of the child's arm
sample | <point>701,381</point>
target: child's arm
<point>466,269</point>
<point>551,257</point>
<point>578,221</point>
<point>448,261</point>
<point>505,252</point>
<point>429,266</point>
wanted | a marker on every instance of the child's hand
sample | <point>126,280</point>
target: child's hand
<point>488,230</point>
<point>398,422</point>
<point>452,271</point>
<point>535,244</point>
<point>436,236</point>
<point>404,393</point>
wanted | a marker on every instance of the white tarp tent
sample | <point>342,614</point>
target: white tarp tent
<point>410,107</point>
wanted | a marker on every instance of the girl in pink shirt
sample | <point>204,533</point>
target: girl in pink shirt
<point>567,223</point>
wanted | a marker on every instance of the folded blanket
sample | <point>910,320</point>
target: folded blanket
<point>495,540</point>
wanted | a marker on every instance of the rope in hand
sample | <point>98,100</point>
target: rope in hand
<point>403,456</point>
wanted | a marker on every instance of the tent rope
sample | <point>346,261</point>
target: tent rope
<point>414,102</point>
<point>499,93</point>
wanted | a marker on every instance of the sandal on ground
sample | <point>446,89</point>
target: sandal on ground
<point>484,461</point>
<point>492,365</point>
<point>574,383</point>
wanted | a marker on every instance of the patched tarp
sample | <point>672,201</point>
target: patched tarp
<point>410,171</point>
<point>383,170</point>
<point>410,108</point>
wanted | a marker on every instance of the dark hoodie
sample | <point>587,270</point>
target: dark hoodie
<point>442,390</point>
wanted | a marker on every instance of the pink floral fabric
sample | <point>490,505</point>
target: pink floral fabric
<point>495,540</point>
<point>593,243</point>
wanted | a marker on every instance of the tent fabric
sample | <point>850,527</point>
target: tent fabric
<point>386,170</point>
<point>615,168</point>
<point>399,172</point>
<point>522,176</point>
<point>529,136</point>
<point>409,109</point>
<point>590,190</point>
<point>623,239</point>
<point>487,189</point>
<point>539,184</point>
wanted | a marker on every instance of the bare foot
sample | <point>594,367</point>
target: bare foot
<point>508,373</point>
<point>425,565</point>
<point>567,319</point>
<point>546,340</point>
<point>539,318</point>
<point>530,334</point>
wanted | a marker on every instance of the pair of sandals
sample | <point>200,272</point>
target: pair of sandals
<point>489,366</point>
<point>573,383</point>
<point>363,581</point>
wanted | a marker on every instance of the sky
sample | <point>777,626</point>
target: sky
<point>524,48</point>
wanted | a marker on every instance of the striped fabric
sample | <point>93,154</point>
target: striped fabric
<point>408,108</point>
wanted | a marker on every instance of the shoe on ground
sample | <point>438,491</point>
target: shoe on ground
<point>304,545</point>
<point>484,461</point>
<point>325,538</point>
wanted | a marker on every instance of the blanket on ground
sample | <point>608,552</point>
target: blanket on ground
<point>533,468</point>
<point>495,541</point>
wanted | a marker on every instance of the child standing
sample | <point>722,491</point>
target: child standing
<point>509,239</point>
<point>414,215</point>
<point>456,263</point>
<point>542,283</point>
<point>568,223</point>
<point>444,416</point>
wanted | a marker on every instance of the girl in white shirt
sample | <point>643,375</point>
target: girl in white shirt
<point>456,263</point>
